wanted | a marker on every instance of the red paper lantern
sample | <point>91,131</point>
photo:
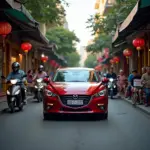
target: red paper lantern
<point>5,29</point>
<point>26,47</point>
<point>44,58</point>
<point>100,59</point>
<point>99,68</point>
<point>127,53</point>
<point>106,52</point>
<point>112,61</point>
<point>116,59</point>
<point>139,43</point>
<point>52,62</point>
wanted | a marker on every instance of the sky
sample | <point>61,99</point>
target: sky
<point>77,14</point>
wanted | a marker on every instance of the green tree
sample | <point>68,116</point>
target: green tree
<point>73,59</point>
<point>91,61</point>
<point>64,39</point>
<point>46,11</point>
<point>106,26</point>
<point>102,41</point>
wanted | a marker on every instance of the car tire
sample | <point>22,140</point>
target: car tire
<point>105,116</point>
<point>45,117</point>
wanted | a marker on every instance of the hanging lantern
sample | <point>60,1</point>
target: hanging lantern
<point>99,68</point>
<point>112,61</point>
<point>5,29</point>
<point>116,59</point>
<point>106,52</point>
<point>127,53</point>
<point>139,43</point>
<point>44,59</point>
<point>26,47</point>
<point>52,62</point>
<point>100,59</point>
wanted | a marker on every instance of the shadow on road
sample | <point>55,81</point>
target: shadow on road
<point>75,118</point>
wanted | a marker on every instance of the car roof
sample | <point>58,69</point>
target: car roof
<point>76,68</point>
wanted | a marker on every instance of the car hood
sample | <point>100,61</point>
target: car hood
<point>75,88</point>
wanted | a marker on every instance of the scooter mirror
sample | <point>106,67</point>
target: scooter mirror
<point>46,80</point>
<point>105,80</point>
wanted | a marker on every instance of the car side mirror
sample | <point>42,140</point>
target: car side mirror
<point>105,80</point>
<point>46,80</point>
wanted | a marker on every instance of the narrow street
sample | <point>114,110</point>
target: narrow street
<point>126,129</point>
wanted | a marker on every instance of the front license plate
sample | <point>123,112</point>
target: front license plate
<point>75,102</point>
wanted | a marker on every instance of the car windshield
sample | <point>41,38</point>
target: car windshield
<point>75,76</point>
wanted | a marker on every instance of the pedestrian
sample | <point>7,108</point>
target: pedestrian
<point>146,84</point>
<point>121,83</point>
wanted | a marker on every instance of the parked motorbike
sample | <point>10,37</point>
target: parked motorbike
<point>14,94</point>
<point>39,85</point>
<point>112,88</point>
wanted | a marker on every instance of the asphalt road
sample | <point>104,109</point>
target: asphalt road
<point>126,129</point>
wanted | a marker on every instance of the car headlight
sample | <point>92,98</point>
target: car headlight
<point>35,86</point>
<point>100,93</point>
<point>17,92</point>
<point>8,93</point>
<point>108,86</point>
<point>50,93</point>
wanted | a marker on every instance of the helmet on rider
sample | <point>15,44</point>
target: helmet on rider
<point>41,68</point>
<point>15,67</point>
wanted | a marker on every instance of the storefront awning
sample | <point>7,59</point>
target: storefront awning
<point>137,19</point>
<point>18,14</point>
<point>49,50</point>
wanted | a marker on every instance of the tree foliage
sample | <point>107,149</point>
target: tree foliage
<point>91,61</point>
<point>46,11</point>
<point>73,59</point>
<point>107,25</point>
<point>102,41</point>
<point>64,39</point>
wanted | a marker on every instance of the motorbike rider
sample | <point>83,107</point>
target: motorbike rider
<point>111,74</point>
<point>121,83</point>
<point>135,88</point>
<point>146,83</point>
<point>41,74</point>
<point>17,73</point>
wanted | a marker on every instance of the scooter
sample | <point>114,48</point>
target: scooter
<point>14,94</point>
<point>39,85</point>
<point>112,88</point>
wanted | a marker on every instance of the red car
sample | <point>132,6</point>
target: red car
<point>75,91</point>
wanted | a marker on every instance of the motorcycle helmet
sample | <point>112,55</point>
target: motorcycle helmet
<point>41,68</point>
<point>15,67</point>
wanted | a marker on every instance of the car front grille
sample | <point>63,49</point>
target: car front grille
<point>84,98</point>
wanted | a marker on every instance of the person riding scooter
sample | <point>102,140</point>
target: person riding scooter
<point>41,74</point>
<point>18,74</point>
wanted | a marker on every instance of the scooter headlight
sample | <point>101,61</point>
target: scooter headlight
<point>17,92</point>
<point>39,80</point>
<point>108,86</point>
<point>50,93</point>
<point>13,81</point>
<point>8,93</point>
<point>111,79</point>
<point>115,86</point>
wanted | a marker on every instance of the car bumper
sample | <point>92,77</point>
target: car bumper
<point>95,106</point>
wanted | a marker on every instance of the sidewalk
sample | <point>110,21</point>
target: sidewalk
<point>141,107</point>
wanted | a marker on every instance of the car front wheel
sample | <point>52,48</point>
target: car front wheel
<point>105,116</point>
